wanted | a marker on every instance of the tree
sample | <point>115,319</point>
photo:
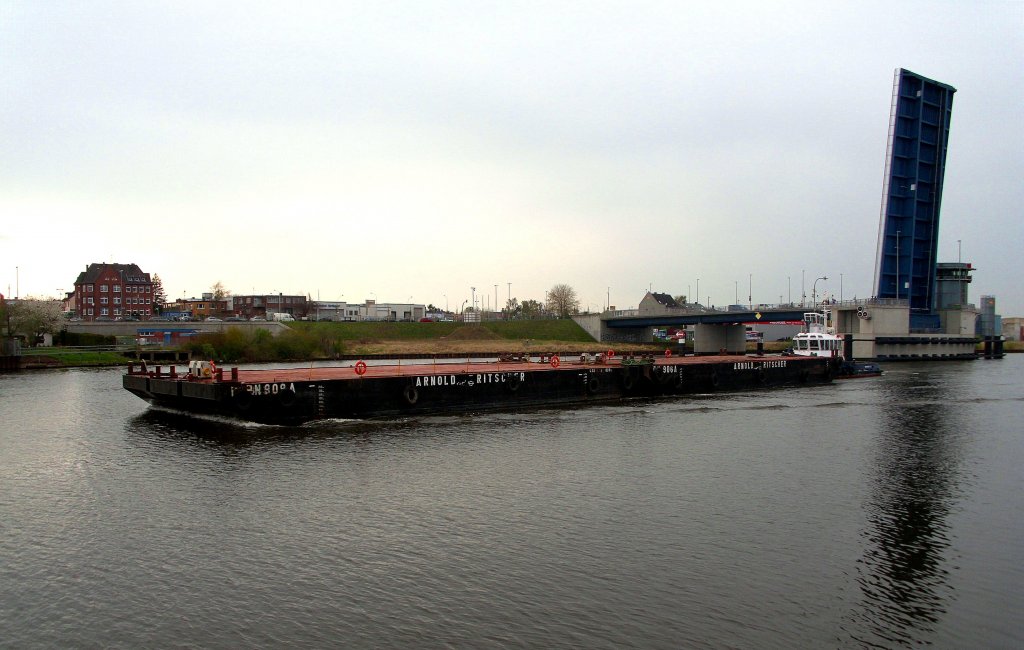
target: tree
<point>31,317</point>
<point>561,299</point>
<point>531,308</point>
<point>159,295</point>
<point>512,309</point>
<point>218,291</point>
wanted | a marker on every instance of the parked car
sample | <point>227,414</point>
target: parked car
<point>214,319</point>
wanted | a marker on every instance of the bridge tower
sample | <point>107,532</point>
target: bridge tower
<point>908,230</point>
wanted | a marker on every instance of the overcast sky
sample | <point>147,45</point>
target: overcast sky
<point>411,150</point>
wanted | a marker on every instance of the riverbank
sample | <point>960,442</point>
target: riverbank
<point>306,342</point>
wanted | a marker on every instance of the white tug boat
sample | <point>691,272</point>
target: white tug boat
<point>819,339</point>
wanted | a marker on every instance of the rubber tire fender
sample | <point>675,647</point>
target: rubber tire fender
<point>411,394</point>
<point>287,398</point>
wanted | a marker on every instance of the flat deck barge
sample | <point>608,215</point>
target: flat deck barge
<point>359,391</point>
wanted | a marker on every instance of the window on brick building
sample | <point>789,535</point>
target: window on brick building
<point>103,288</point>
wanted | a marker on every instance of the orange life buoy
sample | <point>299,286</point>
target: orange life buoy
<point>360,367</point>
<point>668,353</point>
<point>555,361</point>
<point>610,353</point>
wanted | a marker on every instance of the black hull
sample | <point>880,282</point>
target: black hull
<point>292,402</point>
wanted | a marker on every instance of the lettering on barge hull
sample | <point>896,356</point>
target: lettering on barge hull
<point>468,380</point>
<point>755,365</point>
<point>259,390</point>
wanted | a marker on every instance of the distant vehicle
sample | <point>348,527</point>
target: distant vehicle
<point>280,316</point>
<point>234,319</point>
<point>214,319</point>
<point>753,335</point>
<point>257,318</point>
<point>105,319</point>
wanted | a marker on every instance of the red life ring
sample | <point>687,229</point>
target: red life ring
<point>668,353</point>
<point>610,353</point>
<point>555,361</point>
<point>360,368</point>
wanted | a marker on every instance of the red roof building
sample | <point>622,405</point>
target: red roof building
<point>113,291</point>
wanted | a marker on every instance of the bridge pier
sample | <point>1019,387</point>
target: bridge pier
<point>712,339</point>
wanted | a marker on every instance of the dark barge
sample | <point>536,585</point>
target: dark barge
<point>297,395</point>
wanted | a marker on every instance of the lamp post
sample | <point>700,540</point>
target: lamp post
<point>814,292</point>
<point>750,291</point>
<point>698,291</point>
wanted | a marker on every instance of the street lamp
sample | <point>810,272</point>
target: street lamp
<point>814,291</point>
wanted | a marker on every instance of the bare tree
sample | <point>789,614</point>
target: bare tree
<point>561,299</point>
<point>219,292</point>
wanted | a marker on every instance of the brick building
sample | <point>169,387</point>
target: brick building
<point>202,308</point>
<point>112,291</point>
<point>258,306</point>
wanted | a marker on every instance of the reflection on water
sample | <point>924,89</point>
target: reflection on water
<point>902,574</point>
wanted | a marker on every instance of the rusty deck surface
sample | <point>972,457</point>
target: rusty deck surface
<point>397,369</point>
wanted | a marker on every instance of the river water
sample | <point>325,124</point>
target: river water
<point>881,512</point>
